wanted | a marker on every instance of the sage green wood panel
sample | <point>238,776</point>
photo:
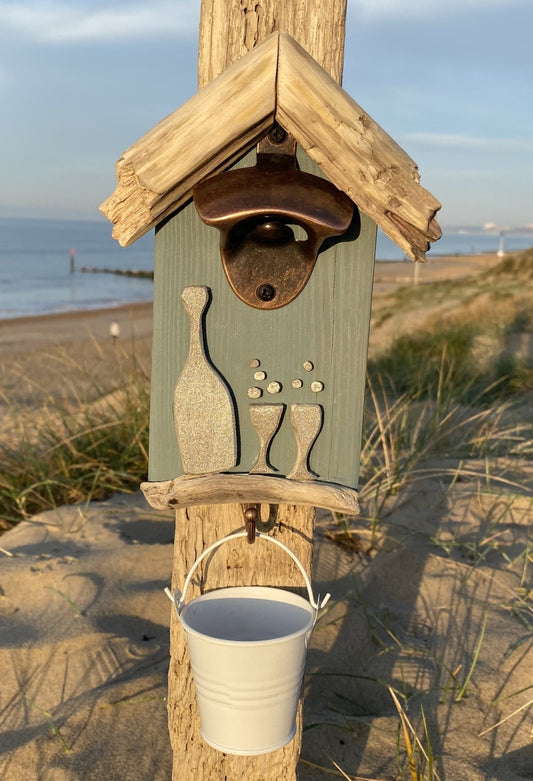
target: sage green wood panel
<point>327,324</point>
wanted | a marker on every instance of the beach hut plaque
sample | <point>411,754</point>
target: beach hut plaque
<point>289,283</point>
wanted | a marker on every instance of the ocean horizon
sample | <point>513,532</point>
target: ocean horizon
<point>35,257</point>
<point>35,276</point>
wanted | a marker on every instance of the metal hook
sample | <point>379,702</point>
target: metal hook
<point>250,517</point>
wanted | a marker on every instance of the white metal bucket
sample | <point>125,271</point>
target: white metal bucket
<point>247,647</point>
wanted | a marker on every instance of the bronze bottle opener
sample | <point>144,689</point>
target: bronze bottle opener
<point>259,209</point>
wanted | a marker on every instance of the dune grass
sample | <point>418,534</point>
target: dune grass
<point>466,346</point>
<point>434,393</point>
<point>77,450</point>
<point>90,449</point>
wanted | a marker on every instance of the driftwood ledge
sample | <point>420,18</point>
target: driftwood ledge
<point>229,488</point>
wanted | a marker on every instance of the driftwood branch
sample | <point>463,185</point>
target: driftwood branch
<point>226,33</point>
<point>354,151</point>
<point>224,26</point>
<point>229,488</point>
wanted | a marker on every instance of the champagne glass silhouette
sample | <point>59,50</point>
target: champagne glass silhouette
<point>265,420</point>
<point>306,420</point>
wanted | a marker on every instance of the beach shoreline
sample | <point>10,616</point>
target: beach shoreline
<point>98,310</point>
<point>41,354</point>
<point>20,332</point>
<point>437,269</point>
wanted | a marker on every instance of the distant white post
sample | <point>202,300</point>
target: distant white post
<point>501,252</point>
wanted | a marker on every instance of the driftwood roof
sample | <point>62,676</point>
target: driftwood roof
<point>276,82</point>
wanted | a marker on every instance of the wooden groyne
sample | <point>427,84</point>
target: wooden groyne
<point>123,272</point>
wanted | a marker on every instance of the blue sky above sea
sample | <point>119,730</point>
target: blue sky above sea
<point>82,80</point>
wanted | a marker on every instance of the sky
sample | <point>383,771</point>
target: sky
<point>451,82</point>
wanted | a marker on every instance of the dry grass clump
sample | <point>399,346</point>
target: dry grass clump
<point>515,266</point>
<point>500,297</point>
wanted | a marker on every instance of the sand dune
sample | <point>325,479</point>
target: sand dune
<point>438,611</point>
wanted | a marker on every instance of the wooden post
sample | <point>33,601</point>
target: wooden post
<point>216,349</point>
<point>227,30</point>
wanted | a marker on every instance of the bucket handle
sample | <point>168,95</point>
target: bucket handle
<point>179,598</point>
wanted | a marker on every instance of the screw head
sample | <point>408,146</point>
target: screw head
<point>277,135</point>
<point>266,292</point>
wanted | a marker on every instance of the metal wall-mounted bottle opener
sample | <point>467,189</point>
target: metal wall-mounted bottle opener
<point>257,210</point>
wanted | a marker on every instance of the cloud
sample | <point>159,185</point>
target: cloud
<point>424,9</point>
<point>464,143</point>
<point>58,21</point>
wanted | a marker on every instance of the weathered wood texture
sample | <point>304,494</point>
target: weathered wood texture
<point>226,488</point>
<point>200,526</point>
<point>233,565</point>
<point>230,30</point>
<point>354,151</point>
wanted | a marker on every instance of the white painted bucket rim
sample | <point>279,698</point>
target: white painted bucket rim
<point>258,591</point>
<point>178,598</point>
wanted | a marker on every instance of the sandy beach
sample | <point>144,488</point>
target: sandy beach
<point>30,346</point>
<point>437,269</point>
<point>85,622</point>
<point>28,332</point>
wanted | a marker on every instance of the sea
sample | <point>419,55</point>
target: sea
<point>35,263</point>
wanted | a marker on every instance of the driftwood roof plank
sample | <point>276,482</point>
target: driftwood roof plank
<point>208,133</point>
<point>356,154</point>
<point>279,81</point>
